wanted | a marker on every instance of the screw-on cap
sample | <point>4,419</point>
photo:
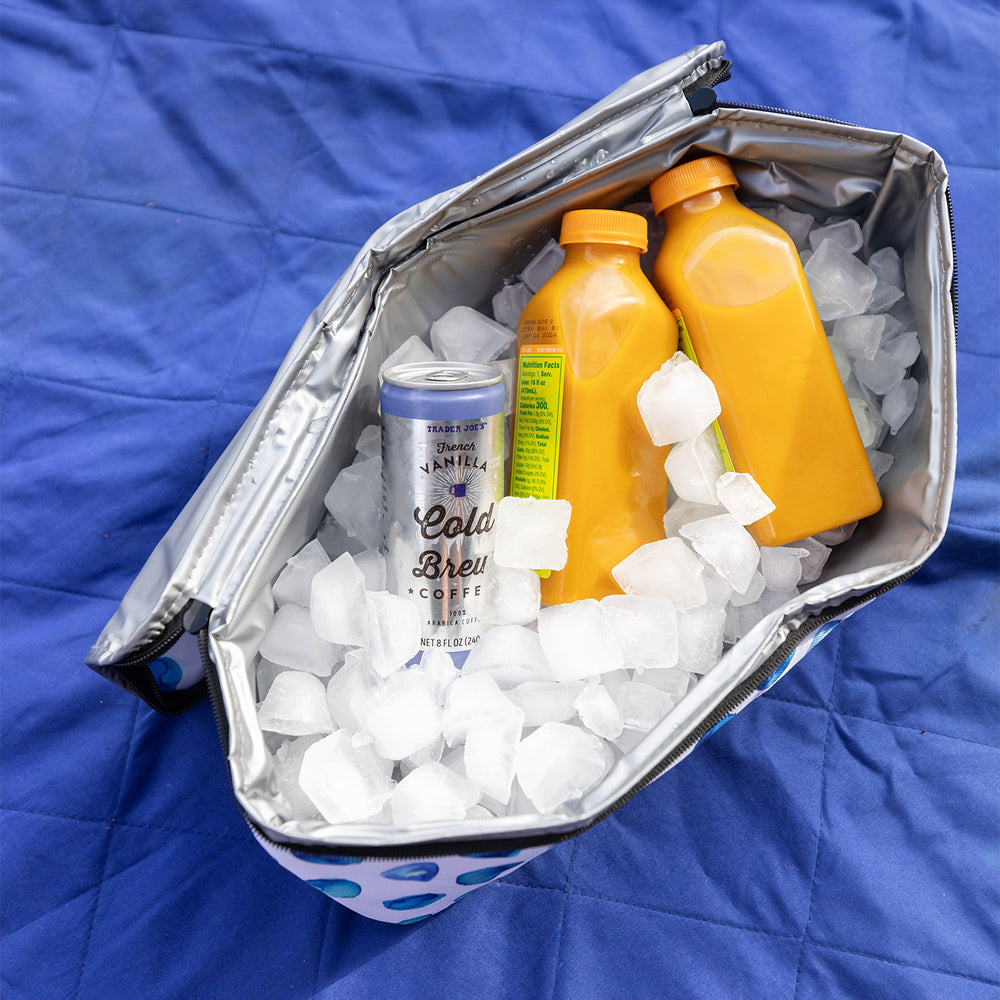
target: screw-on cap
<point>689,179</point>
<point>602,225</point>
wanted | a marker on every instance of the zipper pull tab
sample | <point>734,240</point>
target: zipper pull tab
<point>196,616</point>
<point>702,101</point>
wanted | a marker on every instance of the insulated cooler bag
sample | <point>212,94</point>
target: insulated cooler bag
<point>192,621</point>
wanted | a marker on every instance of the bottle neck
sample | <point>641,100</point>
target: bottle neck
<point>703,202</point>
<point>606,254</point>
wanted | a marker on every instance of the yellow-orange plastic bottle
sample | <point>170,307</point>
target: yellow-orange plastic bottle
<point>585,344</point>
<point>739,285</point>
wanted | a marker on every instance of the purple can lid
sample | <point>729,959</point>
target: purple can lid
<point>442,390</point>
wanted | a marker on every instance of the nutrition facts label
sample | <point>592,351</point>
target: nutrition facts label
<point>535,450</point>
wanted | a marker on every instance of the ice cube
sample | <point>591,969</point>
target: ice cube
<point>797,225</point>
<point>835,536</point>
<point>899,403</point>
<point>472,700</point>
<point>394,630</point>
<point>507,368</point>
<point>672,681</point>
<point>544,701</point>
<point>531,534</point>
<point>369,443</point>
<point>865,420</point>
<point>742,497</point>
<point>510,596</point>
<point>726,546</point>
<point>440,670</point>
<point>904,348</point>
<point>490,754</point>
<point>815,559</point>
<point>694,466</point>
<point>840,358</point>
<point>880,374</point>
<point>643,706</point>
<point>295,705</point>
<point>887,267</point>
<point>678,401</point>
<point>510,654</point>
<point>294,581</point>
<point>355,501</point>
<point>291,641</point>
<point>753,591</point>
<point>645,628</point>
<point>354,680</point>
<point>884,297</point>
<point>860,335</point>
<point>401,714</point>
<point>411,351</point>
<point>847,233</point>
<point>599,712</point>
<point>681,511</point>
<point>371,562</point>
<point>664,568</point>
<point>465,335</point>
<point>578,640</point>
<point>334,537</point>
<point>613,680</point>
<point>509,303</point>
<point>880,461</point>
<point>718,590</point>
<point>287,763</point>
<point>841,285</point>
<point>543,265</point>
<point>699,639</point>
<point>432,793</point>
<point>430,754</point>
<point>782,566</point>
<point>346,783</point>
<point>558,762</point>
<point>338,608</point>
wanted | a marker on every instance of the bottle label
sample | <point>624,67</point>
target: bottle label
<point>688,348</point>
<point>537,421</point>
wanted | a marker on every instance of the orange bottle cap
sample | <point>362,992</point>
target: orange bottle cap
<point>689,179</point>
<point>601,225</point>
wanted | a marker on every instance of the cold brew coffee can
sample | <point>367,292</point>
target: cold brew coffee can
<point>442,469</point>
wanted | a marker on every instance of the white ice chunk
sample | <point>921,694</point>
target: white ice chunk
<point>543,265</point>
<point>531,534</point>
<point>678,401</point>
<point>440,670</point>
<point>664,568</point>
<point>752,593</point>
<point>355,501</point>
<point>835,536</point>
<point>510,654</point>
<point>718,589</point>
<point>880,461</point>
<point>699,638</point>
<point>681,511</point>
<point>847,233</point>
<point>491,752</point>
<point>295,705</point>
<point>287,763</point>
<point>346,783</point>
<point>334,537</point>
<point>782,566</point>
<point>266,671</point>
<point>742,497</point>
<point>899,403</point>
<point>599,712</point>
<point>558,762</point>
<point>292,642</point>
<point>371,562</point>
<point>369,443</point>
<point>294,581</point>
<point>841,285</point>
<point>401,714</point>
<point>411,351</point>
<point>866,421</point>
<point>353,681</point>
<point>578,640</point>
<point>904,348</point>
<point>815,560</point>
<point>645,627</point>
<point>880,374</point>
<point>338,608</point>
<point>673,681</point>
<point>394,630</point>
<point>472,700</point>
<point>726,546</point>
<point>510,596</point>
<point>642,705</point>
<point>509,303</point>
<point>432,793</point>
<point>545,701</point>
<point>840,358</point>
<point>465,335</point>
<point>860,335</point>
<point>694,466</point>
<point>887,267</point>
<point>797,225</point>
<point>508,368</point>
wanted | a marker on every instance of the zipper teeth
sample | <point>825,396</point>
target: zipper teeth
<point>736,700</point>
<point>145,656</point>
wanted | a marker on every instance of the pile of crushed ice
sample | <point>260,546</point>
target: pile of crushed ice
<point>551,696</point>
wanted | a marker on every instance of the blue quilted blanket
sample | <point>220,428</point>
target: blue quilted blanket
<point>182,182</point>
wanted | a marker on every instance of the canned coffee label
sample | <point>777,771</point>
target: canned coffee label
<point>442,462</point>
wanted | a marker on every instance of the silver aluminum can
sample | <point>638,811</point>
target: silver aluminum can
<point>442,476</point>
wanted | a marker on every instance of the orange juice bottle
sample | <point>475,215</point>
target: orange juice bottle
<point>585,344</point>
<point>737,281</point>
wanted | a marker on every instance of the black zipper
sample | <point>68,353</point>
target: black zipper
<point>731,704</point>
